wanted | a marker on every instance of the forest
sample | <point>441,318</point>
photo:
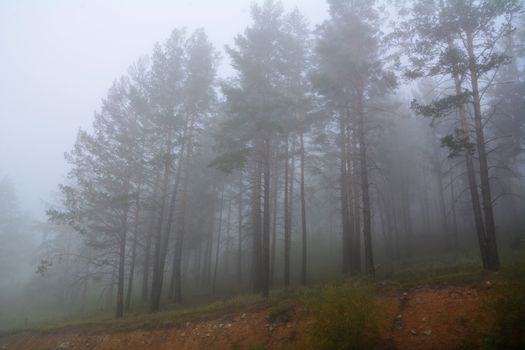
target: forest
<point>390,134</point>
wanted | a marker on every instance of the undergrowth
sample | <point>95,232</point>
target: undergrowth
<point>344,317</point>
<point>506,307</point>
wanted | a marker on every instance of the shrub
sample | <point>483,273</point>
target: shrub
<point>344,317</point>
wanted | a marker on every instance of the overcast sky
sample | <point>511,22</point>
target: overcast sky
<point>59,57</point>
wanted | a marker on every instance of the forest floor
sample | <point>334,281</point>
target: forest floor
<point>452,313</point>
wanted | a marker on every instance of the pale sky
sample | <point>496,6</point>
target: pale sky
<point>59,57</point>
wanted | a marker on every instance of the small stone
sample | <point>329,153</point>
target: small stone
<point>427,332</point>
<point>183,334</point>
<point>208,334</point>
<point>413,332</point>
<point>187,324</point>
<point>398,317</point>
<point>221,325</point>
<point>488,284</point>
<point>228,325</point>
<point>405,294</point>
<point>243,316</point>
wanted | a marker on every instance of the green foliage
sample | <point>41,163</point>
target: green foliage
<point>229,162</point>
<point>440,108</point>
<point>457,144</point>
<point>344,317</point>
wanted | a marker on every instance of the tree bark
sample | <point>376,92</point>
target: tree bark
<point>266,221</point>
<point>303,212</point>
<point>287,213</point>
<point>367,220</point>
<point>218,246</point>
<point>490,226</point>
<point>471,175</point>
<point>240,231</point>
<point>133,252</point>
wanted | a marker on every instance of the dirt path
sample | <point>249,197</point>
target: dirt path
<point>419,318</point>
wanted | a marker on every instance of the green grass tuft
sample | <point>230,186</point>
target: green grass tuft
<point>344,317</point>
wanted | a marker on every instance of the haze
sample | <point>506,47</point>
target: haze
<point>60,57</point>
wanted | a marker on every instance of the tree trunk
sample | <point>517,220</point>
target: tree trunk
<point>257,228</point>
<point>490,226</point>
<point>367,220</point>
<point>240,232</point>
<point>471,175</point>
<point>275,192</point>
<point>122,258</point>
<point>303,212</point>
<point>346,235</point>
<point>158,257</point>
<point>175,289</point>
<point>218,247</point>
<point>133,252</point>
<point>266,221</point>
<point>287,213</point>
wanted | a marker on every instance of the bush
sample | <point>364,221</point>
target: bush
<point>344,317</point>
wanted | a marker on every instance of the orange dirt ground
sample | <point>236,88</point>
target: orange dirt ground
<point>419,318</point>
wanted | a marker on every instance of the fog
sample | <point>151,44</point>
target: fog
<point>157,154</point>
<point>60,57</point>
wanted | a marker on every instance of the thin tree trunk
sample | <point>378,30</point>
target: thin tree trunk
<point>353,216</point>
<point>158,257</point>
<point>346,236</point>
<point>266,222</point>
<point>218,247</point>
<point>240,232</point>
<point>303,212</point>
<point>275,191</point>
<point>122,257</point>
<point>257,228</point>
<point>133,253</point>
<point>453,208</point>
<point>175,288</point>
<point>471,175</point>
<point>367,219</point>
<point>490,226</point>
<point>286,207</point>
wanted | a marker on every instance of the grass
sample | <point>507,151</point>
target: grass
<point>106,323</point>
<point>506,309</point>
<point>344,317</point>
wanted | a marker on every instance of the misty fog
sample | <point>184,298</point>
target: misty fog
<point>161,153</point>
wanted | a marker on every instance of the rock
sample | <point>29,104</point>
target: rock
<point>243,316</point>
<point>488,284</point>
<point>221,325</point>
<point>398,317</point>
<point>427,332</point>
<point>63,345</point>
<point>413,332</point>
<point>228,325</point>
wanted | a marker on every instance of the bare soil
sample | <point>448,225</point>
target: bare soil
<point>418,318</point>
